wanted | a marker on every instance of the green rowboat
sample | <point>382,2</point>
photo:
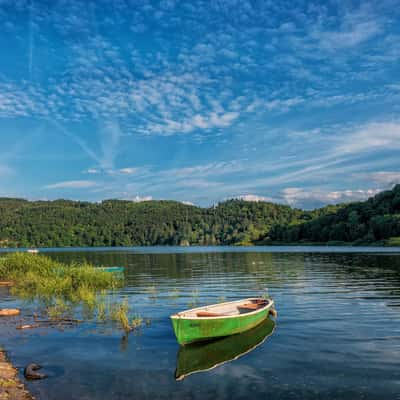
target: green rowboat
<point>204,356</point>
<point>219,320</point>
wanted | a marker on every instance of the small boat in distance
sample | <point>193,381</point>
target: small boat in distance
<point>219,320</point>
<point>112,269</point>
<point>32,251</point>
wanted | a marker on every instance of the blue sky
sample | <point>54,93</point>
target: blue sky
<point>199,101</point>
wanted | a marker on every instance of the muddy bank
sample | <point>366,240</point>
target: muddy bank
<point>11,388</point>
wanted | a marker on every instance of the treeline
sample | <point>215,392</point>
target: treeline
<point>371,221</point>
<point>125,223</point>
<point>65,223</point>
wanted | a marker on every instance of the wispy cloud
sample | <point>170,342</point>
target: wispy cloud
<point>311,197</point>
<point>247,98</point>
<point>127,170</point>
<point>384,178</point>
<point>370,138</point>
<point>73,185</point>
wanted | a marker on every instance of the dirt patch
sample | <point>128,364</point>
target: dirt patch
<point>11,387</point>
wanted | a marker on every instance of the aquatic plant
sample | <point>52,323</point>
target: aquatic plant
<point>101,311</point>
<point>40,277</point>
<point>119,313</point>
<point>60,288</point>
<point>137,322</point>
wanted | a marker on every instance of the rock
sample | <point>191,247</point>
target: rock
<point>28,326</point>
<point>9,312</point>
<point>6,283</point>
<point>10,386</point>
<point>30,372</point>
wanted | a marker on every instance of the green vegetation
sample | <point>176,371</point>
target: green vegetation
<point>38,277</point>
<point>63,290</point>
<point>64,223</point>
<point>376,220</point>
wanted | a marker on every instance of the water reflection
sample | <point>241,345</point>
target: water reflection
<point>335,310</point>
<point>199,357</point>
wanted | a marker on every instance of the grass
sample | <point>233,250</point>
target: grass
<point>40,277</point>
<point>120,314</point>
<point>63,289</point>
<point>393,241</point>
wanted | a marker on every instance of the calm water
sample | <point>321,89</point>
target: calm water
<point>337,335</point>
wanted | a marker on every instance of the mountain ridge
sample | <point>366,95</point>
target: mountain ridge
<point>70,223</point>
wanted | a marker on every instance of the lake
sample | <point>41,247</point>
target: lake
<point>337,335</point>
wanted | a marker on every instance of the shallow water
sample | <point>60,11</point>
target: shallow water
<point>337,334</point>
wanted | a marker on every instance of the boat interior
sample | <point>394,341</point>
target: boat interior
<point>227,309</point>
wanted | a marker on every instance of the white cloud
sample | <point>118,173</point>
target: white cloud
<point>92,171</point>
<point>371,137</point>
<point>255,198</point>
<point>187,203</point>
<point>139,199</point>
<point>348,36</point>
<point>127,170</point>
<point>72,185</point>
<point>216,168</point>
<point>299,196</point>
<point>387,178</point>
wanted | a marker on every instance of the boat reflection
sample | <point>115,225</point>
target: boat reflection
<point>199,357</point>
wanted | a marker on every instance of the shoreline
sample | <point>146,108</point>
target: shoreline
<point>10,385</point>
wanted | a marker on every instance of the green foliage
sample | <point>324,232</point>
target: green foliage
<point>393,241</point>
<point>120,314</point>
<point>64,223</point>
<point>62,289</point>
<point>38,277</point>
<point>371,221</point>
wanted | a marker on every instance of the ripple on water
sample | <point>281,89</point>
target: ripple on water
<point>337,333</point>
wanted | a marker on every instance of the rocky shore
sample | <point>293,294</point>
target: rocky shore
<point>11,388</point>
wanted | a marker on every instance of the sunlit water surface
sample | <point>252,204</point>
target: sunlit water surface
<point>337,334</point>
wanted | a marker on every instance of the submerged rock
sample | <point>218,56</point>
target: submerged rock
<point>30,372</point>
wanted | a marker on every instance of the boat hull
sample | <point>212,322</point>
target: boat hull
<point>204,356</point>
<point>190,330</point>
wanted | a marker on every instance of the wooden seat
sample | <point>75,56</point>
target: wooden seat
<point>249,306</point>
<point>208,314</point>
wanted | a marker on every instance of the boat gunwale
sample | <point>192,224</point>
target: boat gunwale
<point>268,305</point>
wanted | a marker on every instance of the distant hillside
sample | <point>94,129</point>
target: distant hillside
<point>125,223</point>
<point>65,223</point>
<point>371,221</point>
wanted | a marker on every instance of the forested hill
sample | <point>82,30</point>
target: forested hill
<point>126,223</point>
<point>371,221</point>
<point>63,223</point>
